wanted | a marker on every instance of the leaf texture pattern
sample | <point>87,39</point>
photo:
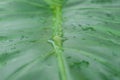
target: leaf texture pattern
<point>59,39</point>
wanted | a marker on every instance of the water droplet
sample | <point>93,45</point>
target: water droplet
<point>111,33</point>
<point>21,31</point>
<point>114,54</point>
<point>3,38</point>
<point>13,48</point>
<point>108,14</point>
<point>10,40</point>
<point>74,27</point>
<point>101,1</point>
<point>84,64</point>
<point>71,65</point>
<point>106,22</point>
<point>64,39</point>
<point>81,64</point>
<point>83,39</point>
<point>80,25</point>
<point>2,9</point>
<point>3,57</point>
<point>90,16</point>
<point>95,59</point>
<point>33,41</point>
<point>49,65</point>
<point>116,74</point>
<point>69,57</point>
<point>22,37</point>
<point>88,29</point>
<point>74,36</point>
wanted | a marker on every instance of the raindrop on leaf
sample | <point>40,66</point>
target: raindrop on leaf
<point>88,29</point>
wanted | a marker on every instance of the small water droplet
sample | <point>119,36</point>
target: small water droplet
<point>71,65</point>
<point>108,14</point>
<point>3,38</point>
<point>22,37</point>
<point>101,1</point>
<point>83,39</point>
<point>90,16</point>
<point>106,22</point>
<point>3,57</point>
<point>74,27</point>
<point>74,36</point>
<point>81,64</point>
<point>10,40</point>
<point>95,59</point>
<point>84,64</point>
<point>13,48</point>
<point>64,39</point>
<point>80,25</point>
<point>49,65</point>
<point>69,57</point>
<point>111,33</point>
<point>116,74</point>
<point>33,41</point>
<point>114,54</point>
<point>88,29</point>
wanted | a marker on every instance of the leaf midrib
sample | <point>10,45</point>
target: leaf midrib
<point>57,40</point>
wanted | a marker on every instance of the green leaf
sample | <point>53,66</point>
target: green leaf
<point>59,39</point>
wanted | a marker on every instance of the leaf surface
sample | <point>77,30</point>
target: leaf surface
<point>59,39</point>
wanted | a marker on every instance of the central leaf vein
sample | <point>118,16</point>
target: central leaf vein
<point>58,41</point>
